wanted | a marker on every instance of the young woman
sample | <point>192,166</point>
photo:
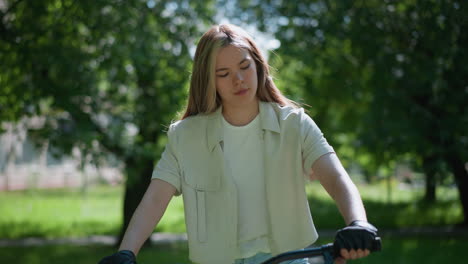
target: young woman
<point>239,155</point>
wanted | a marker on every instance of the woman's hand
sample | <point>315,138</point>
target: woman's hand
<point>356,241</point>
<point>121,257</point>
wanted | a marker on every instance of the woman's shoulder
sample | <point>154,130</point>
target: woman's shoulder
<point>190,123</point>
<point>285,112</point>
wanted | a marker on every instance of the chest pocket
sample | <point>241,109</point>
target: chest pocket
<point>203,171</point>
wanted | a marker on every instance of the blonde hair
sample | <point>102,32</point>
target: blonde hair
<point>203,97</point>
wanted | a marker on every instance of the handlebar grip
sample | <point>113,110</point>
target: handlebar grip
<point>376,244</point>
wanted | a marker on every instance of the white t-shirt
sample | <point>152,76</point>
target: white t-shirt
<point>243,159</point>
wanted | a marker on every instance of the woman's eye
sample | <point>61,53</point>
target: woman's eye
<point>246,67</point>
<point>223,75</point>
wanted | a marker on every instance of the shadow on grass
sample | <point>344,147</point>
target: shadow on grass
<point>416,250</point>
<point>170,254</point>
<point>395,250</point>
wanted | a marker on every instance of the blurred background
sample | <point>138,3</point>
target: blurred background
<point>88,89</point>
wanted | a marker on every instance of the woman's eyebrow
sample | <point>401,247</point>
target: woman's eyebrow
<point>242,61</point>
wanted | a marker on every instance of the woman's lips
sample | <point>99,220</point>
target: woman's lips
<point>241,92</point>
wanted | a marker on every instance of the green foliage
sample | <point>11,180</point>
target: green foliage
<point>388,74</point>
<point>107,75</point>
<point>386,80</point>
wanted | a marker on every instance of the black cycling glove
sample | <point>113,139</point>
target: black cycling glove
<point>121,257</point>
<point>358,235</point>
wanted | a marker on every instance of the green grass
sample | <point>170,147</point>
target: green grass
<point>176,254</point>
<point>60,213</point>
<point>405,209</point>
<point>395,251</point>
<point>418,250</point>
<point>71,213</point>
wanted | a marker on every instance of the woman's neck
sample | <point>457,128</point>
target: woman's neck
<point>241,115</point>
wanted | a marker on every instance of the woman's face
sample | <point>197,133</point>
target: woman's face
<point>236,76</point>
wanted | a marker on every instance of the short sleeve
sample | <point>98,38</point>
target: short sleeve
<point>314,144</point>
<point>167,168</point>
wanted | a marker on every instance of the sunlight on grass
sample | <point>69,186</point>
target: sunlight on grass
<point>71,213</point>
<point>60,213</point>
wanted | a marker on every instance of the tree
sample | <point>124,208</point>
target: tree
<point>388,75</point>
<point>108,75</point>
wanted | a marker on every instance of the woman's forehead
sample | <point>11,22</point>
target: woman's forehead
<point>231,54</point>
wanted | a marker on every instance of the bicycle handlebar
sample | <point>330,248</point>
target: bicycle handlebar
<point>328,252</point>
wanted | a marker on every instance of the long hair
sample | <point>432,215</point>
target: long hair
<point>203,97</point>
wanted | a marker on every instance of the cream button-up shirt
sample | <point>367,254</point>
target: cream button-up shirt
<point>193,163</point>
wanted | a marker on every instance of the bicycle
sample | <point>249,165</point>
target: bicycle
<point>327,251</point>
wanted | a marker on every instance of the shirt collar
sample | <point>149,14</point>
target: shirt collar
<point>268,121</point>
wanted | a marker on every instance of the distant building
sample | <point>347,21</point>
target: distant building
<point>23,165</point>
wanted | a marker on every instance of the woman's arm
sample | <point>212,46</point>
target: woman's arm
<point>336,181</point>
<point>147,215</point>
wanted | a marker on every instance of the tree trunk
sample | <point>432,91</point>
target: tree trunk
<point>429,167</point>
<point>138,171</point>
<point>461,178</point>
<point>430,194</point>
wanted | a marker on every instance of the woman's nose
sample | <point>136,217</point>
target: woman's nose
<point>238,77</point>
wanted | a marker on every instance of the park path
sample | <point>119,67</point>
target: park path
<point>156,238</point>
<point>168,238</point>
